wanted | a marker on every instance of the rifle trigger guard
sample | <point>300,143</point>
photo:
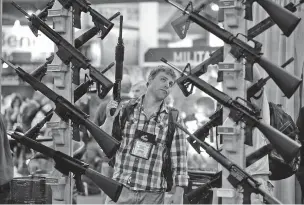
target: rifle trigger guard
<point>188,5</point>
<point>185,69</point>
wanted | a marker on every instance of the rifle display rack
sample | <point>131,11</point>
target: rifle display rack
<point>61,130</point>
<point>233,85</point>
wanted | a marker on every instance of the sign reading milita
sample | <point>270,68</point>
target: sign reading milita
<point>193,55</point>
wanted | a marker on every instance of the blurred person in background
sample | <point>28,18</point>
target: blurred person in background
<point>33,110</point>
<point>12,113</point>
<point>6,165</point>
<point>204,107</point>
<point>138,89</point>
<point>169,100</point>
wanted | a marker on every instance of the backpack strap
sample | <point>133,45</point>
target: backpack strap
<point>167,164</point>
<point>173,115</point>
<point>118,126</point>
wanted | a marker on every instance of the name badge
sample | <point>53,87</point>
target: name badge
<point>142,144</point>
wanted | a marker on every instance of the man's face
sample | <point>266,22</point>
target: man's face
<point>161,85</point>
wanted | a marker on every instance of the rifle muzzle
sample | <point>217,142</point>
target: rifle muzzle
<point>285,19</point>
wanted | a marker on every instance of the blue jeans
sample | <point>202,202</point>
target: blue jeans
<point>129,196</point>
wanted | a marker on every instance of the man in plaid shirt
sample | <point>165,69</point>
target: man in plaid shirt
<point>139,160</point>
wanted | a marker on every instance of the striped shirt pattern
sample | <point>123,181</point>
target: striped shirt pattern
<point>146,175</point>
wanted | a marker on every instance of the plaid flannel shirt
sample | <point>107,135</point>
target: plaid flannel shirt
<point>146,175</point>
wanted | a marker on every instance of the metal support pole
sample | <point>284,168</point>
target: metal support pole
<point>61,130</point>
<point>234,86</point>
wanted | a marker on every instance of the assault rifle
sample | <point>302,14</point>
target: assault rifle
<point>119,58</point>
<point>285,146</point>
<point>66,110</point>
<point>68,53</point>
<point>65,164</point>
<point>239,49</point>
<point>237,175</point>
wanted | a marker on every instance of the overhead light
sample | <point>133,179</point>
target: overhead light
<point>16,24</point>
<point>214,7</point>
<point>4,65</point>
<point>30,12</point>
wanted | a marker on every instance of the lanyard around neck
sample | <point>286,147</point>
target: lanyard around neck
<point>156,118</point>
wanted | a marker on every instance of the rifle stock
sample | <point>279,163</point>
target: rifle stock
<point>111,187</point>
<point>34,131</point>
<point>194,195</point>
<point>284,18</point>
<point>287,83</point>
<point>90,33</point>
<point>280,142</point>
<point>66,164</point>
<point>82,89</point>
<point>252,90</point>
<point>41,70</point>
<point>110,145</point>
<point>78,42</point>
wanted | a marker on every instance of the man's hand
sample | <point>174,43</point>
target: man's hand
<point>110,105</point>
<point>177,197</point>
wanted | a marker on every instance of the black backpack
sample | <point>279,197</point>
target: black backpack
<point>280,120</point>
<point>119,126</point>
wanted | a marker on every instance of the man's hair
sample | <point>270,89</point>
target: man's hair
<point>159,69</point>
